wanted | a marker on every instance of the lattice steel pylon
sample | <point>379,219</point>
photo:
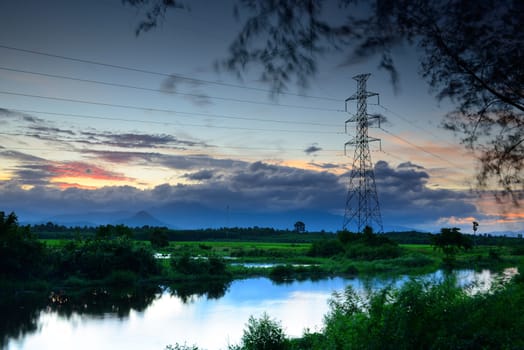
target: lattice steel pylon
<point>362,205</point>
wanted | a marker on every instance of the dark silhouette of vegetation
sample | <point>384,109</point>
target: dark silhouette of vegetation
<point>424,315</point>
<point>103,258</point>
<point>365,246</point>
<point>22,255</point>
<point>300,227</point>
<point>469,52</point>
<point>450,241</point>
<point>158,238</point>
<point>20,312</point>
<point>188,265</point>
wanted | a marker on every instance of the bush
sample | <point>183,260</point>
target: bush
<point>187,265</point>
<point>22,255</point>
<point>366,251</point>
<point>263,334</point>
<point>415,260</point>
<point>326,248</point>
<point>425,315</point>
<point>158,238</point>
<point>97,259</point>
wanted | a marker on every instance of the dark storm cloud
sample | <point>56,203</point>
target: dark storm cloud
<point>405,197</point>
<point>200,175</point>
<point>30,170</point>
<point>409,165</point>
<point>132,140</point>
<point>255,187</point>
<point>13,114</point>
<point>325,165</point>
<point>51,130</point>
<point>180,162</point>
<point>312,149</point>
<point>259,175</point>
<point>19,156</point>
<point>32,174</point>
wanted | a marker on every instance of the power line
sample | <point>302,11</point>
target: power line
<point>151,109</point>
<point>85,116</point>
<point>411,123</point>
<point>127,86</point>
<point>180,76</point>
<point>76,150</point>
<point>420,148</point>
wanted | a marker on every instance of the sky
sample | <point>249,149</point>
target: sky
<point>94,119</point>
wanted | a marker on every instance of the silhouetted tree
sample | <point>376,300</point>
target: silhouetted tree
<point>450,241</point>
<point>469,51</point>
<point>158,238</point>
<point>300,226</point>
<point>21,254</point>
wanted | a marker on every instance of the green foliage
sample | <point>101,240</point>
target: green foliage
<point>366,246</point>
<point>98,259</point>
<point>263,333</point>
<point>326,248</point>
<point>187,265</point>
<point>22,254</point>
<point>110,231</point>
<point>158,238</point>
<point>365,250</point>
<point>425,315</point>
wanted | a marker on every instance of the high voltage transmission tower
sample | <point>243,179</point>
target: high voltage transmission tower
<point>362,205</point>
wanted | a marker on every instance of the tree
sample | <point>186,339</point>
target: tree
<point>21,254</point>
<point>469,52</point>
<point>300,227</point>
<point>158,238</point>
<point>450,241</point>
<point>263,334</point>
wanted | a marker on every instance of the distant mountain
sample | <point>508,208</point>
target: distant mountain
<point>142,218</point>
<point>85,219</point>
<point>197,216</point>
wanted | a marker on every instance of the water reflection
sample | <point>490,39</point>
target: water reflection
<point>20,313</point>
<point>211,315</point>
<point>190,291</point>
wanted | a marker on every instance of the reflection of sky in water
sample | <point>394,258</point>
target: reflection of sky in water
<point>211,324</point>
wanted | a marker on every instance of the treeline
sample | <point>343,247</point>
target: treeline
<point>415,237</point>
<point>107,256</point>
<point>265,234</point>
<point>110,255</point>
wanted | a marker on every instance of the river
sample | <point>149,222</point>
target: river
<point>211,319</point>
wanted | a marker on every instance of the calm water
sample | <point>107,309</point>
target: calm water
<point>210,317</point>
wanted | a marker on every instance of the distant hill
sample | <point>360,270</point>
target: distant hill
<point>142,218</point>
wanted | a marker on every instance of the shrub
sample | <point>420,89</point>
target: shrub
<point>263,334</point>
<point>96,259</point>
<point>366,251</point>
<point>187,265</point>
<point>158,238</point>
<point>425,315</point>
<point>22,255</point>
<point>415,260</point>
<point>326,248</point>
